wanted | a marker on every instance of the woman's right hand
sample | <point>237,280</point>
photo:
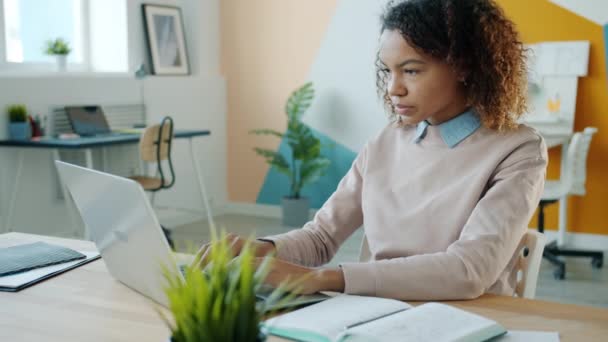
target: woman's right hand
<point>236,243</point>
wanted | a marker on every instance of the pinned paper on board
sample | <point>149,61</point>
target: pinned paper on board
<point>553,104</point>
<point>554,69</point>
<point>562,58</point>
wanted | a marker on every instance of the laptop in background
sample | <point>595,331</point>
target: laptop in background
<point>89,121</point>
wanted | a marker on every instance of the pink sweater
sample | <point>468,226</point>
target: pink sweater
<point>441,223</point>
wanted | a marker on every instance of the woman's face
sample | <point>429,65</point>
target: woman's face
<point>420,87</point>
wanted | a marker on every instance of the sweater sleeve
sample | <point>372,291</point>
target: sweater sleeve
<point>318,241</point>
<point>470,265</point>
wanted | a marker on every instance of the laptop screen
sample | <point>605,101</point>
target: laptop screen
<point>87,120</point>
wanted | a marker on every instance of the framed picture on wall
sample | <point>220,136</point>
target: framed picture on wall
<point>165,36</point>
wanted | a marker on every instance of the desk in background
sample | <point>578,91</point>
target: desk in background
<point>88,304</point>
<point>86,145</point>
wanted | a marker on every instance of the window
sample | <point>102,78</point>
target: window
<point>88,25</point>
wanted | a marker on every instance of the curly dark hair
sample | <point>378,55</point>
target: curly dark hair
<point>478,41</point>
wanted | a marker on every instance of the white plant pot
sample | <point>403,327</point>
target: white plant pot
<point>62,62</point>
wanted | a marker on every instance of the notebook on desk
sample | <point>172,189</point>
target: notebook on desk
<point>358,318</point>
<point>24,265</point>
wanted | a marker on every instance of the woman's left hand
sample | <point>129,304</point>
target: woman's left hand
<point>301,279</point>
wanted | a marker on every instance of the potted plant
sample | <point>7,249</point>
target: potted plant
<point>19,126</point>
<point>219,303</point>
<point>305,164</point>
<point>60,49</point>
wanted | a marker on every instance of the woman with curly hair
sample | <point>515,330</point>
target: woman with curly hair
<point>446,190</point>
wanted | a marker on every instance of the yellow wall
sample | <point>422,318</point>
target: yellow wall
<point>268,47</point>
<point>540,20</point>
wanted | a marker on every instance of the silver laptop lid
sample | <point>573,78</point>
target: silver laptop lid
<point>123,225</point>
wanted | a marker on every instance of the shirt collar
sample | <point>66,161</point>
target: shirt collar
<point>452,131</point>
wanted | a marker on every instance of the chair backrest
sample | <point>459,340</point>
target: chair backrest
<point>575,172</point>
<point>155,146</point>
<point>530,254</point>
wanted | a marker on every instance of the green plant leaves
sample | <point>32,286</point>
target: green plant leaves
<point>275,159</point>
<point>306,164</point>
<point>266,132</point>
<point>219,302</point>
<point>311,170</point>
<point>299,101</point>
<point>17,113</point>
<point>57,47</point>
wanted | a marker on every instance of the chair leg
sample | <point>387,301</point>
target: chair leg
<point>552,250</point>
<point>560,272</point>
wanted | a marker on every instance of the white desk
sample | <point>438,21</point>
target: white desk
<point>86,145</point>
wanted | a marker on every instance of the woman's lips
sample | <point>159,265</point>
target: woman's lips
<point>403,109</point>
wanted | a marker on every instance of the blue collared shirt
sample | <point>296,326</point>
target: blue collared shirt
<point>454,130</point>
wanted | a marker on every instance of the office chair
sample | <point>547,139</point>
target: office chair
<point>155,147</point>
<point>571,182</point>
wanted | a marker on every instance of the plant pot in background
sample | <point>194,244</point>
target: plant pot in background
<point>62,62</point>
<point>295,211</point>
<point>20,130</point>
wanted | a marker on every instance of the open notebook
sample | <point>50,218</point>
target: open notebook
<point>357,318</point>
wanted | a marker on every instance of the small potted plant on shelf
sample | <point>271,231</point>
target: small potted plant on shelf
<point>60,49</point>
<point>219,303</point>
<point>19,126</point>
<point>305,164</point>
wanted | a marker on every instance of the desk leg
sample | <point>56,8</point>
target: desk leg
<point>69,202</point>
<point>201,185</point>
<point>88,154</point>
<point>104,156</point>
<point>13,200</point>
<point>563,202</point>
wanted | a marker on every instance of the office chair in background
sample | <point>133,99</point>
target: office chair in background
<point>155,147</point>
<point>571,182</point>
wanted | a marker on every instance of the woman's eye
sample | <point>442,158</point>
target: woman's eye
<point>411,71</point>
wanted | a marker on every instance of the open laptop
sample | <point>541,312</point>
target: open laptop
<point>88,121</point>
<point>123,225</point>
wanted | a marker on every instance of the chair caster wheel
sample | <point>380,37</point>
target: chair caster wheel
<point>597,262</point>
<point>559,274</point>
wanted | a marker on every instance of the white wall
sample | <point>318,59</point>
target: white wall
<point>594,10</point>
<point>195,102</point>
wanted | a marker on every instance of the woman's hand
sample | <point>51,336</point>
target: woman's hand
<point>300,279</point>
<point>236,243</point>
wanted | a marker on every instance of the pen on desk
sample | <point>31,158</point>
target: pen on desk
<point>372,319</point>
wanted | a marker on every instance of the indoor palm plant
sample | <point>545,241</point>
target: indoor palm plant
<point>19,126</point>
<point>61,49</point>
<point>305,164</point>
<point>219,303</point>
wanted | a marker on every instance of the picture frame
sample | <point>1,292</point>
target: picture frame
<point>164,30</point>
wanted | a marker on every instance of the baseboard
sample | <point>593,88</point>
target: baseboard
<point>581,240</point>
<point>260,210</point>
